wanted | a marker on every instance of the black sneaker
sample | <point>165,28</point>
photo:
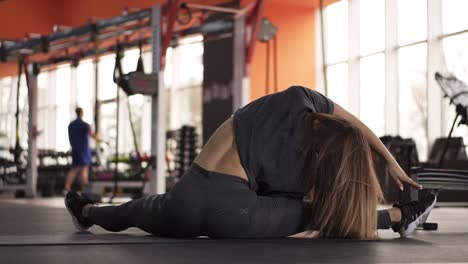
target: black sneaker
<point>74,204</point>
<point>413,214</point>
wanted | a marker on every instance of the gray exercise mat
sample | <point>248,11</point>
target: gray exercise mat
<point>84,238</point>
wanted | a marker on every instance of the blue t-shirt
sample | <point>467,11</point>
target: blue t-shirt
<point>78,134</point>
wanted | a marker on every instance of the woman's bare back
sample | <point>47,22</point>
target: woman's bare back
<point>220,152</point>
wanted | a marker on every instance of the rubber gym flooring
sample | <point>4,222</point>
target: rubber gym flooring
<point>40,231</point>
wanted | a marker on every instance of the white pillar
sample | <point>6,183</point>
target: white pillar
<point>240,85</point>
<point>245,99</point>
<point>73,91</point>
<point>353,56</point>
<point>320,78</point>
<point>31,170</point>
<point>158,109</point>
<point>174,114</point>
<point>145,134</point>
<point>391,68</point>
<point>434,64</point>
<point>53,112</point>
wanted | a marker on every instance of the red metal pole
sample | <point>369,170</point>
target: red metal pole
<point>254,20</point>
<point>173,8</point>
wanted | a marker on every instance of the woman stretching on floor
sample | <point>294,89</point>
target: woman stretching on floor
<point>286,163</point>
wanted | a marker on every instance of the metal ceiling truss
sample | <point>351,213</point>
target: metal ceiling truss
<point>67,44</point>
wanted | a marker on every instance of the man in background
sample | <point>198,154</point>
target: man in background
<point>78,133</point>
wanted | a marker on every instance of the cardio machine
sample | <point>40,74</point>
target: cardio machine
<point>438,179</point>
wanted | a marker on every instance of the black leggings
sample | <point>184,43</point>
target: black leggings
<point>209,204</point>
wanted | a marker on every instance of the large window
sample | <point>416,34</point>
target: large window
<point>62,88</point>
<point>412,95</point>
<point>412,21</point>
<point>386,53</point>
<point>372,26</point>
<point>8,91</point>
<point>7,108</point>
<point>454,18</point>
<point>184,77</point>
<point>372,64</point>
<point>337,78</point>
<point>84,89</point>
<point>372,93</point>
<point>456,60</point>
<point>46,111</point>
<point>337,31</point>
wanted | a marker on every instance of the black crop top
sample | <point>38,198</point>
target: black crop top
<point>266,133</point>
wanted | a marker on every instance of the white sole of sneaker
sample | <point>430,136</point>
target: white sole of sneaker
<point>75,221</point>
<point>419,220</point>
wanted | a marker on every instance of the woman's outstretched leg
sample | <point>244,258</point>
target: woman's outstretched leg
<point>404,217</point>
<point>146,213</point>
<point>177,213</point>
<point>384,219</point>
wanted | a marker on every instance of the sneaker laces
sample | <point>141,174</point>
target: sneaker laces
<point>413,210</point>
<point>88,200</point>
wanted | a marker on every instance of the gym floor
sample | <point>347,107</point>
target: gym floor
<point>40,231</point>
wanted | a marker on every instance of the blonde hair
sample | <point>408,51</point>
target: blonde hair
<point>340,180</point>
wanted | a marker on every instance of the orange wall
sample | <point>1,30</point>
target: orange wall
<point>295,21</point>
<point>296,49</point>
<point>19,17</point>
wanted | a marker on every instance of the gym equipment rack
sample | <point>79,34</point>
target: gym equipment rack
<point>444,179</point>
<point>158,26</point>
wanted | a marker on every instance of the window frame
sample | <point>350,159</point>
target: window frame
<point>435,125</point>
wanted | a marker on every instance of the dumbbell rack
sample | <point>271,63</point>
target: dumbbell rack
<point>13,173</point>
<point>186,151</point>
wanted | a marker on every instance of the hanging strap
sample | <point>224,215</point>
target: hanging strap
<point>118,73</point>
<point>132,127</point>
<point>140,67</point>
<point>17,150</point>
<point>117,76</point>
